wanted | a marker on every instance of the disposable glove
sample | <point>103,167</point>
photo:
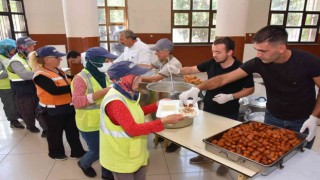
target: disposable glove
<point>193,93</point>
<point>311,124</point>
<point>173,69</point>
<point>223,98</point>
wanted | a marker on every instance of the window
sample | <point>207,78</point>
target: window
<point>299,17</point>
<point>112,16</point>
<point>193,21</point>
<point>12,19</point>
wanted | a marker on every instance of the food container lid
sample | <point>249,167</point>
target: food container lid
<point>260,102</point>
<point>167,107</point>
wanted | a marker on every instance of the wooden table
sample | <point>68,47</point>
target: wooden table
<point>204,126</point>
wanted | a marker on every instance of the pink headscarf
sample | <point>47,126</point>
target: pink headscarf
<point>125,83</point>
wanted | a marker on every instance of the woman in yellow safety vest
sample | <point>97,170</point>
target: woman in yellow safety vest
<point>53,90</point>
<point>88,88</point>
<point>123,140</point>
<point>20,75</point>
<point>7,50</point>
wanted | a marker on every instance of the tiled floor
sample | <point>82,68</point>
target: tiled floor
<point>23,156</point>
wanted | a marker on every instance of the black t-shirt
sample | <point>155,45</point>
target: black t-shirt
<point>214,69</point>
<point>289,86</point>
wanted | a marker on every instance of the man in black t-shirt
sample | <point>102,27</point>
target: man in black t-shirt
<point>290,77</point>
<point>223,101</point>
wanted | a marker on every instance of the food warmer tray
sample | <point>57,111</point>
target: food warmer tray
<point>249,163</point>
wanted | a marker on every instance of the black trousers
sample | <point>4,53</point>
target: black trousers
<point>9,105</point>
<point>56,126</point>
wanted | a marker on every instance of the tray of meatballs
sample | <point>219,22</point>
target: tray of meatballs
<point>257,146</point>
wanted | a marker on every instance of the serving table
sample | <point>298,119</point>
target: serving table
<point>205,125</point>
<point>304,165</point>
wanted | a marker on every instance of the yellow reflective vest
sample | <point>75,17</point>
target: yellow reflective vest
<point>12,75</point>
<point>5,82</point>
<point>88,118</point>
<point>118,151</point>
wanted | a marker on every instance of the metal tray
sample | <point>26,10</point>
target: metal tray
<point>249,163</point>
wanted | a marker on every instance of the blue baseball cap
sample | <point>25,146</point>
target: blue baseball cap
<point>162,44</point>
<point>123,68</point>
<point>25,41</point>
<point>99,52</point>
<point>48,51</point>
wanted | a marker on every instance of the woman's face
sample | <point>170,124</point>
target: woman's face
<point>135,83</point>
<point>52,61</point>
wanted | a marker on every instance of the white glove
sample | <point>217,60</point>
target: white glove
<point>311,124</point>
<point>193,93</point>
<point>223,98</point>
<point>173,69</point>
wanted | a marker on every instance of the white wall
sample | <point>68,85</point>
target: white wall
<point>82,21</point>
<point>44,16</point>
<point>257,18</point>
<point>149,16</point>
<point>257,15</point>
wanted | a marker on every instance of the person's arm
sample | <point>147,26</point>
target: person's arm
<point>149,66</point>
<point>151,108</point>
<point>248,87</point>
<point>316,110</point>
<point>3,71</point>
<point>189,70</point>
<point>18,68</point>
<point>79,97</point>
<point>222,80</point>
<point>242,93</point>
<point>154,78</point>
<point>48,85</point>
<point>311,122</point>
<point>119,114</point>
<point>213,83</point>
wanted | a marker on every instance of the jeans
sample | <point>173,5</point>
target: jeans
<point>292,125</point>
<point>140,174</point>
<point>92,140</point>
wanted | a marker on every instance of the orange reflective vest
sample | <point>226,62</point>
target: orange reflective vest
<point>48,100</point>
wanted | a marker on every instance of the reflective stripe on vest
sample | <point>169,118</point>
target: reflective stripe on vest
<point>5,82</point>
<point>118,151</point>
<point>103,123</point>
<point>49,100</point>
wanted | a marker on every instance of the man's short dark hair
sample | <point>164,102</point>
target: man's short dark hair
<point>228,42</point>
<point>129,34</point>
<point>73,54</point>
<point>271,34</point>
